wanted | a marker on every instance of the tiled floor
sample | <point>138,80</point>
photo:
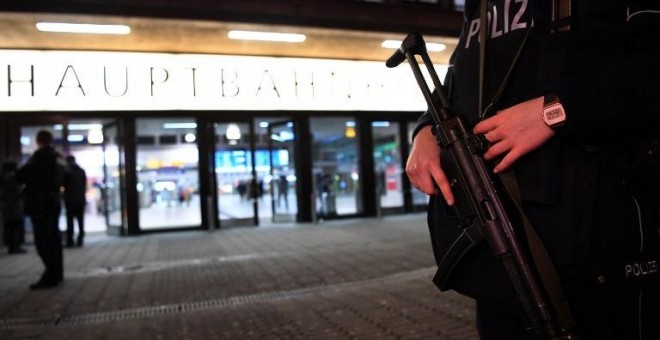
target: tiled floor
<point>347,279</point>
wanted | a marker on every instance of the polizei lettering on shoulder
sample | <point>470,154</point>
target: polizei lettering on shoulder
<point>503,17</point>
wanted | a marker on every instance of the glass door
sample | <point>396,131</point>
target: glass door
<point>388,165</point>
<point>281,151</point>
<point>336,166</point>
<point>239,191</point>
<point>85,141</point>
<point>420,199</point>
<point>167,159</point>
<point>111,198</point>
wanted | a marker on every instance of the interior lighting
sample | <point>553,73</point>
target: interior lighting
<point>266,36</point>
<point>85,126</point>
<point>282,136</point>
<point>78,127</point>
<point>179,125</point>
<point>431,47</point>
<point>190,137</point>
<point>62,27</point>
<point>25,140</point>
<point>350,132</point>
<point>380,124</point>
<point>75,138</point>
<point>233,132</point>
<point>95,136</point>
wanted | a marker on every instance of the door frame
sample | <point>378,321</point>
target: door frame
<point>122,228</point>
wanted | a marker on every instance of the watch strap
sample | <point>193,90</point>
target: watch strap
<point>549,99</point>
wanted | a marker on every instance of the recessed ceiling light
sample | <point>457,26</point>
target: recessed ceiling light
<point>61,27</point>
<point>431,47</point>
<point>75,138</point>
<point>266,36</point>
<point>179,125</point>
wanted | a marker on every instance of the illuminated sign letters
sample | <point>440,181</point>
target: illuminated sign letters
<point>80,81</point>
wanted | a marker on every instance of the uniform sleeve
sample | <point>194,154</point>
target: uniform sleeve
<point>622,95</point>
<point>424,120</point>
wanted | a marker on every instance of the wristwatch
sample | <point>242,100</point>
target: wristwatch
<point>553,112</point>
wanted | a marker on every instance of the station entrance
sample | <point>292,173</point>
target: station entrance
<point>156,172</point>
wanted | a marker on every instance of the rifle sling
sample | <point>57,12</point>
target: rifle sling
<point>544,266</point>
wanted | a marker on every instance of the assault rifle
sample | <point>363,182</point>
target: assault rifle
<point>479,204</point>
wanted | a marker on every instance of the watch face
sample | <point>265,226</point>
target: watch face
<point>554,114</point>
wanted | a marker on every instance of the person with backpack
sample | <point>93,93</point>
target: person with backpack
<point>564,94</point>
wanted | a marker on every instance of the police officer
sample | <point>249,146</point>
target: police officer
<point>576,120</point>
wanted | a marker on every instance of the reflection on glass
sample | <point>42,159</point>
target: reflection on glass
<point>419,198</point>
<point>336,166</point>
<point>387,162</point>
<point>167,171</point>
<point>236,188</point>
<point>282,177</point>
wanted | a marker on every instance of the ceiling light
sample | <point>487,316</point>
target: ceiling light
<point>431,47</point>
<point>61,27</point>
<point>190,137</point>
<point>179,125</point>
<point>75,138</point>
<point>266,36</point>
<point>350,132</point>
<point>25,140</point>
<point>81,127</point>
<point>85,126</point>
<point>233,132</point>
<point>95,136</point>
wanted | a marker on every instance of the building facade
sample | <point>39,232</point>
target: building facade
<point>179,125</point>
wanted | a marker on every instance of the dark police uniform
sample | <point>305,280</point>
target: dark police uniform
<point>590,192</point>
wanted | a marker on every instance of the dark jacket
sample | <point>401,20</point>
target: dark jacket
<point>75,186</point>
<point>11,196</point>
<point>42,176</point>
<point>604,72</point>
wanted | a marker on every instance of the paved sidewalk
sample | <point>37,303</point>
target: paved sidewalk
<point>348,279</point>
